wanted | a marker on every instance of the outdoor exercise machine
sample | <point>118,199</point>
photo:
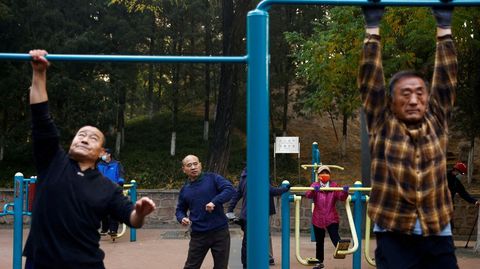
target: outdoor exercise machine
<point>342,246</point>
<point>128,190</point>
<point>258,96</point>
<point>21,206</point>
<point>23,195</point>
<point>355,223</point>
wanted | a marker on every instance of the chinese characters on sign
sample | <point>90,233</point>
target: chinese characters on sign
<point>287,144</point>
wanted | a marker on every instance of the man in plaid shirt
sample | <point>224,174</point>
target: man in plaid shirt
<point>408,131</point>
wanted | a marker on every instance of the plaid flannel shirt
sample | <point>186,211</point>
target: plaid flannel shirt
<point>408,165</point>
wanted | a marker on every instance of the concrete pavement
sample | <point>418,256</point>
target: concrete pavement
<point>167,248</point>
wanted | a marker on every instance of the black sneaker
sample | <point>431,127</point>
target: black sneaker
<point>318,266</point>
<point>103,233</point>
<point>271,261</point>
<point>112,234</point>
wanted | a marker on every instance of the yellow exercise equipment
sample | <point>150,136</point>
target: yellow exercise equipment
<point>340,252</point>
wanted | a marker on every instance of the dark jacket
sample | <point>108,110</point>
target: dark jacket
<point>456,186</point>
<point>242,193</point>
<point>194,195</point>
<point>69,203</point>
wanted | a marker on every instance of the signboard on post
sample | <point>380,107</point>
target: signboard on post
<point>287,144</point>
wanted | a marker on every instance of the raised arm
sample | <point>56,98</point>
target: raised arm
<point>445,74</point>
<point>370,79</point>
<point>38,90</point>
<point>45,135</point>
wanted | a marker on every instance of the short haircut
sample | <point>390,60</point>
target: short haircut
<point>406,74</point>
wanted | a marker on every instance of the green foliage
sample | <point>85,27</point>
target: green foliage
<point>467,37</point>
<point>325,59</point>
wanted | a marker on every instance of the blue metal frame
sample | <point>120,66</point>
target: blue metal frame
<point>20,207</point>
<point>126,58</point>
<point>358,220</point>
<point>18,221</point>
<point>315,160</point>
<point>133,198</point>
<point>258,118</point>
<point>266,4</point>
<point>286,199</point>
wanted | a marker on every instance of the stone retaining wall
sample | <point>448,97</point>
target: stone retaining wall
<point>164,216</point>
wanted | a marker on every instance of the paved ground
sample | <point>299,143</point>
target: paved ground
<point>167,248</point>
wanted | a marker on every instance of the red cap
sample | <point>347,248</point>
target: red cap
<point>461,167</point>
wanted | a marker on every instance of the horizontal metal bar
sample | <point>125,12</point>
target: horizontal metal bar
<point>127,58</point>
<point>265,5</point>
<point>304,189</point>
<point>305,166</point>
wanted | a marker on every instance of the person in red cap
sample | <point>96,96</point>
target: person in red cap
<point>456,186</point>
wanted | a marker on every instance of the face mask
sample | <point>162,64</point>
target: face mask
<point>104,157</point>
<point>324,178</point>
<point>459,176</point>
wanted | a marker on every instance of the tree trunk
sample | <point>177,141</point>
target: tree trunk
<point>333,125</point>
<point>208,51</point>
<point>178,47</point>
<point>3,133</point>
<point>120,120</point>
<point>285,107</point>
<point>151,71</point>
<point>176,83</point>
<point>343,151</point>
<point>470,161</point>
<point>220,144</point>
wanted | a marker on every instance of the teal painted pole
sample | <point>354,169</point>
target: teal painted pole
<point>315,160</point>
<point>18,221</point>
<point>286,227</point>
<point>258,120</point>
<point>357,218</point>
<point>133,197</point>
<point>266,4</point>
<point>126,58</point>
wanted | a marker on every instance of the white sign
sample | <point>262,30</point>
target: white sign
<point>287,144</point>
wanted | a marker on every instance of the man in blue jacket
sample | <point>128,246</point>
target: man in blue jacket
<point>203,196</point>
<point>113,170</point>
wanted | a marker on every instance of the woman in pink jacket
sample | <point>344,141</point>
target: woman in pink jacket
<point>325,215</point>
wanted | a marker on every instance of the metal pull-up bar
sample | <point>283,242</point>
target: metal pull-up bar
<point>127,58</point>
<point>266,4</point>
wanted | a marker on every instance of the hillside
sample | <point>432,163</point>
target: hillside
<point>146,154</point>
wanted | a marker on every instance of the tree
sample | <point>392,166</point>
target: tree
<point>328,59</point>
<point>325,61</point>
<point>467,39</point>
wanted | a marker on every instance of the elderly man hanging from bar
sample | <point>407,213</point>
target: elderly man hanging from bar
<point>72,196</point>
<point>407,123</point>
